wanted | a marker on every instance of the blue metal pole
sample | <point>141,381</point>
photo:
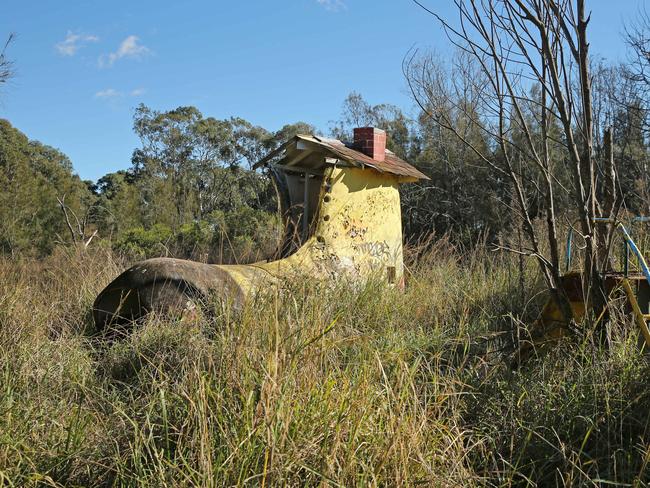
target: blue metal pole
<point>635,250</point>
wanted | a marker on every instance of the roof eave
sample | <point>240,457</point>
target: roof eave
<point>315,145</point>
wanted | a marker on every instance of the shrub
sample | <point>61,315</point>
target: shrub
<point>141,243</point>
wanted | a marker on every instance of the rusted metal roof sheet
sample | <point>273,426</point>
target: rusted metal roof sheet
<point>391,164</point>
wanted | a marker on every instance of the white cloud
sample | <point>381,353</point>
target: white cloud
<point>109,93</point>
<point>73,42</point>
<point>113,94</point>
<point>129,48</point>
<point>332,5</point>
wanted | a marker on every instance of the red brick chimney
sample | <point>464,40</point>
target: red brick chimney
<point>371,142</point>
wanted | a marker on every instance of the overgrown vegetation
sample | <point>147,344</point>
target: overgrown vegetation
<point>336,386</point>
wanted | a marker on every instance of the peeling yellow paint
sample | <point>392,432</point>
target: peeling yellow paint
<point>358,233</point>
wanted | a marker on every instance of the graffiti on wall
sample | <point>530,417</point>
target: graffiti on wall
<point>375,249</point>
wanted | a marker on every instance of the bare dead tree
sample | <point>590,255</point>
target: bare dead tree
<point>79,230</point>
<point>637,37</point>
<point>513,46</point>
<point>6,65</point>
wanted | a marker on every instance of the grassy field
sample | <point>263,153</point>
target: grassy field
<point>327,387</point>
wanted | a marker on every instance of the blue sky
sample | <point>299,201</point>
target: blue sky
<point>82,66</point>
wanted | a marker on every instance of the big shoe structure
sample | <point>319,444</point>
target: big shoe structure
<point>341,209</point>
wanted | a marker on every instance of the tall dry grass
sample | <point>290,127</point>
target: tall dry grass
<point>327,386</point>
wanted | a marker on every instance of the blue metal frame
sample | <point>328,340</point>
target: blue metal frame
<point>629,244</point>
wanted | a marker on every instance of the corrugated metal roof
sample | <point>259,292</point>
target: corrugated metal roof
<point>392,164</point>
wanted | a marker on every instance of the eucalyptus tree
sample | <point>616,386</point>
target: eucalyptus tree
<point>35,179</point>
<point>189,165</point>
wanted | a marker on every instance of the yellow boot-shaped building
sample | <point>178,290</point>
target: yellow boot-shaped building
<point>341,208</point>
